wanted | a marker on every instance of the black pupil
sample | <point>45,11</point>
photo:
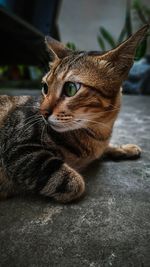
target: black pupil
<point>45,88</point>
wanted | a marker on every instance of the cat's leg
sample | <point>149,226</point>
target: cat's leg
<point>33,169</point>
<point>122,152</point>
<point>6,185</point>
<point>64,185</point>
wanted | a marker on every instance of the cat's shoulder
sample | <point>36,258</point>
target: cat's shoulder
<point>9,103</point>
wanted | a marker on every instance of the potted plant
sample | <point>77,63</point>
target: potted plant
<point>139,76</point>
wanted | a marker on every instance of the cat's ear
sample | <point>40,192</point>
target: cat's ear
<point>122,57</point>
<point>56,49</point>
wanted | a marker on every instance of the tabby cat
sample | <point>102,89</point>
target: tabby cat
<point>46,141</point>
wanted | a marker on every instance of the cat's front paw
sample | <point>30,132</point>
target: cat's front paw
<point>65,185</point>
<point>123,152</point>
<point>131,151</point>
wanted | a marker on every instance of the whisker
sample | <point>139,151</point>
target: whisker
<point>89,131</point>
<point>96,122</point>
<point>101,112</point>
<point>45,121</point>
<point>28,122</point>
<point>37,121</point>
<point>42,135</point>
<point>33,116</point>
<point>30,125</point>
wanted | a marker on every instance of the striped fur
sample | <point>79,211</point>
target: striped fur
<point>44,154</point>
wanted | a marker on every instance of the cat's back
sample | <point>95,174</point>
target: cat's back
<point>10,103</point>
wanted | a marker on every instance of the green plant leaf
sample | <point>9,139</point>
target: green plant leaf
<point>146,10</point>
<point>136,4</point>
<point>71,46</point>
<point>108,37</point>
<point>101,43</point>
<point>140,10</point>
<point>141,50</point>
<point>128,24</point>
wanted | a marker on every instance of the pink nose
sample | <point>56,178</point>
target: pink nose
<point>46,112</point>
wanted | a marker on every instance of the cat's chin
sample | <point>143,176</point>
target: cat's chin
<point>61,129</point>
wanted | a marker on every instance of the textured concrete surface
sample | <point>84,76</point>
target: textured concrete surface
<point>109,227</point>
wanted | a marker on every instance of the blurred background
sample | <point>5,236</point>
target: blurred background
<point>81,24</point>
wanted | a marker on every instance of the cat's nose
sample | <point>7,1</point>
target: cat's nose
<point>46,112</point>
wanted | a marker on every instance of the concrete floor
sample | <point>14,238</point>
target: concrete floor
<point>109,227</point>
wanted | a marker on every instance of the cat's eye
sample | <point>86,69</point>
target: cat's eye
<point>44,88</point>
<point>70,88</point>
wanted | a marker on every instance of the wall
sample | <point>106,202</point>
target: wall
<point>79,20</point>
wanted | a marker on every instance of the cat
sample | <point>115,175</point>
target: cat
<point>46,141</point>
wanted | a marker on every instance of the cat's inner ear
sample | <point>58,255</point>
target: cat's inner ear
<point>56,49</point>
<point>121,58</point>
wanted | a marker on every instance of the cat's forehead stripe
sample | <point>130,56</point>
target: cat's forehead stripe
<point>70,62</point>
<point>65,67</point>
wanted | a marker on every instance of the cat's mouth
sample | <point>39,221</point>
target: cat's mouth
<point>58,127</point>
<point>63,126</point>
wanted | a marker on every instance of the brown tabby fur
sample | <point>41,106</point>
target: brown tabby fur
<point>84,121</point>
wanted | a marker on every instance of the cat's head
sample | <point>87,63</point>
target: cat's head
<point>83,88</point>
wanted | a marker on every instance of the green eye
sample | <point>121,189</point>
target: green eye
<point>70,88</point>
